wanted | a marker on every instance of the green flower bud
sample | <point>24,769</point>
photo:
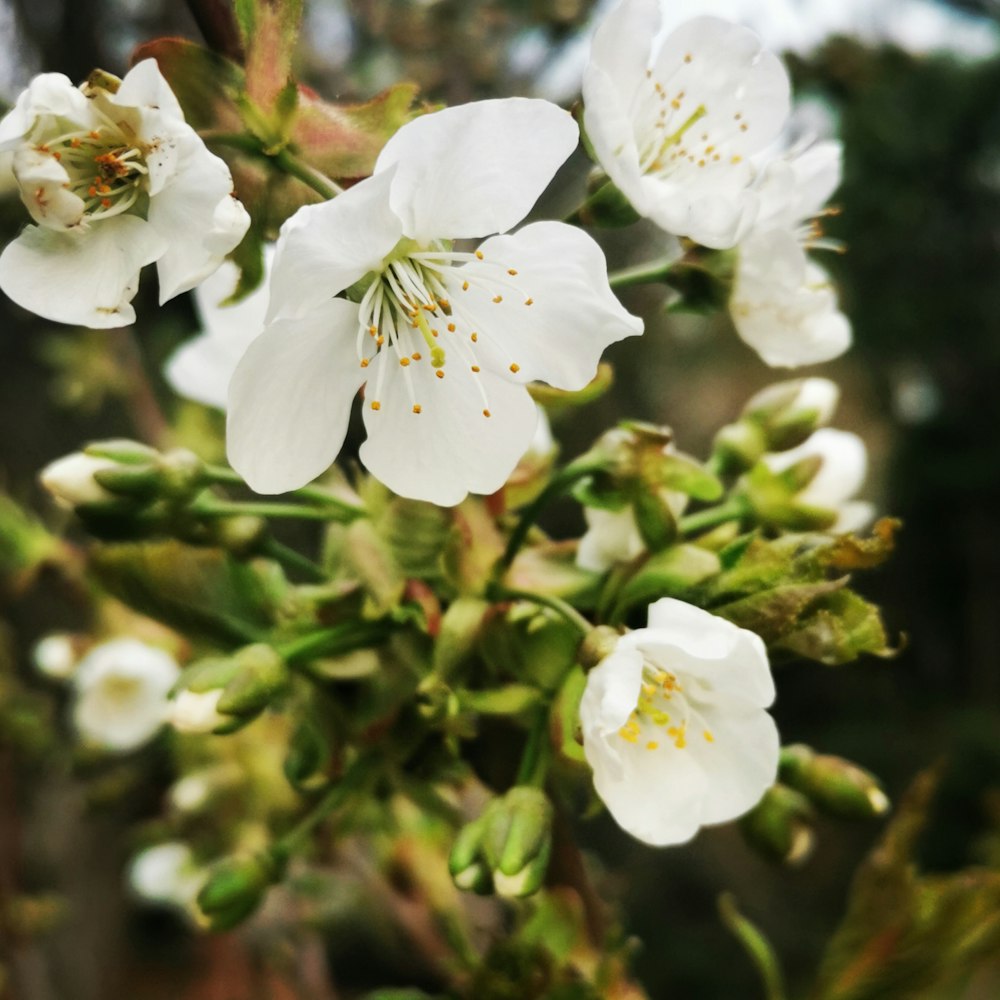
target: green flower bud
<point>307,753</point>
<point>834,785</point>
<point>598,646</point>
<point>519,841</point>
<point>234,889</point>
<point>466,864</point>
<point>260,675</point>
<point>780,826</point>
<point>739,446</point>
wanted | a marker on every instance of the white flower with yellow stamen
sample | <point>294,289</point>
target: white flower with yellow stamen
<point>675,121</point>
<point>675,727</point>
<point>443,338</point>
<point>783,304</point>
<point>114,181</point>
<point>122,693</point>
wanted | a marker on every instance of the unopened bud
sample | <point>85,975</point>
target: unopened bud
<point>780,826</point>
<point>739,446</point>
<point>307,753</point>
<point>519,841</point>
<point>193,712</point>
<point>234,889</point>
<point>72,480</point>
<point>260,674</point>
<point>597,646</point>
<point>834,785</point>
<point>466,864</point>
<point>789,412</point>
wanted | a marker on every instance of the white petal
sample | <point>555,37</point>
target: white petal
<point>325,248</point>
<point>44,186</point>
<point>450,448</point>
<point>198,217</point>
<point>476,169</point>
<point>47,94</point>
<point>655,795</point>
<point>741,760</point>
<point>612,691</point>
<point>201,368</point>
<point>612,536</point>
<point>797,187</point>
<point>573,316</point>
<point>784,306</point>
<point>85,277</point>
<point>621,45</point>
<point>842,474</point>
<point>290,398</point>
<point>144,86</point>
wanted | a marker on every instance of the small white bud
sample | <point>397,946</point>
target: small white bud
<point>71,480</point>
<point>196,712</point>
<point>55,656</point>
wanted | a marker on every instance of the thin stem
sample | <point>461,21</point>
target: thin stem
<point>225,476</point>
<point>557,604</point>
<point>559,484</point>
<point>227,508</point>
<point>291,559</point>
<point>757,947</point>
<point>335,640</point>
<point>282,159</point>
<point>642,274</point>
<point>535,759</point>
<point>733,509</point>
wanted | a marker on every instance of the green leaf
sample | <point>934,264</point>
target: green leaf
<point>688,476</point>
<point>670,573</point>
<point>839,630</point>
<point>773,613</point>
<point>906,934</point>
<point>203,593</point>
<point>514,699</point>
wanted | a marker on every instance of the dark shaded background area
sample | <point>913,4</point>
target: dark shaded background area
<point>921,282</point>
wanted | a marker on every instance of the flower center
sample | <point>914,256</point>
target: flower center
<point>666,116</point>
<point>105,168</point>
<point>417,310</point>
<point>663,713</point>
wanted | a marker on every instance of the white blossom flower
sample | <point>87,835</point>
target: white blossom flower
<point>839,479</point>
<point>675,121</point>
<point>675,727</point>
<point>444,338</point>
<point>55,656</point>
<point>613,536</point>
<point>791,400</point>
<point>200,369</point>
<point>783,304</point>
<point>113,181</point>
<point>196,711</point>
<point>167,873</point>
<point>122,690</point>
<point>70,479</point>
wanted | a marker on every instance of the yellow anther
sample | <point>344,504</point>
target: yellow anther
<point>416,407</point>
<point>652,745</point>
<point>486,413</point>
<point>701,163</point>
<point>439,373</point>
<point>404,362</point>
<point>708,736</point>
<point>380,341</point>
<point>465,286</point>
<point>364,362</point>
<point>738,116</point>
<point>474,337</point>
<point>529,302</point>
<point>475,368</point>
<point>737,159</point>
<point>649,690</point>
<point>451,327</point>
<point>515,368</point>
<point>511,271</point>
<point>674,732</point>
<point>416,355</point>
<point>744,127</point>
<point>95,135</point>
<point>498,298</point>
<point>373,330</point>
<point>688,58</point>
<point>660,718</point>
<point>675,104</point>
<point>479,255</point>
<point>626,734</point>
<point>376,405</point>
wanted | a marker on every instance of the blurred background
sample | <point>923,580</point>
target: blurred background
<point>913,89</point>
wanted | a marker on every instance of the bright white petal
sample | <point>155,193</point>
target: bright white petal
<point>612,690</point>
<point>45,190</point>
<point>450,448</point>
<point>557,313</point>
<point>797,187</point>
<point>325,248</point>
<point>784,306</point>
<point>621,45</point>
<point>475,169</point>
<point>198,217</point>
<point>85,277</point>
<point>842,474</point>
<point>47,94</point>
<point>612,536</point>
<point>741,759</point>
<point>200,369</point>
<point>144,86</point>
<point>290,398</point>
